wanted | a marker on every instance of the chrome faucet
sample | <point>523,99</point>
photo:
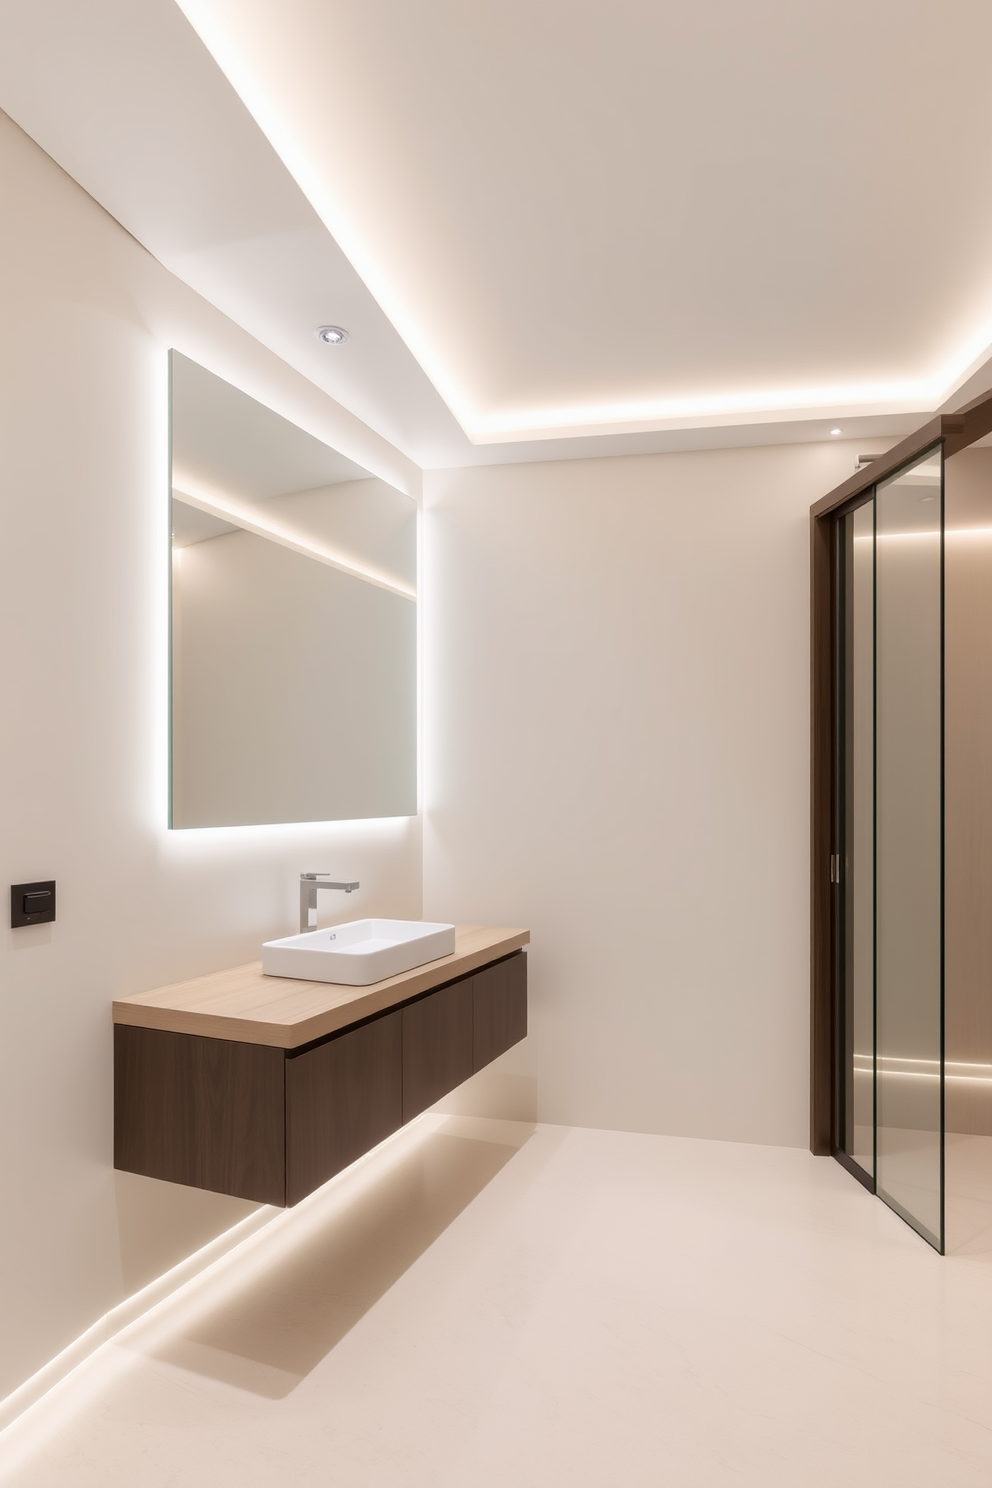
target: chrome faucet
<point>309,884</point>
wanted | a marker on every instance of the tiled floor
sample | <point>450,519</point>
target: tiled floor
<point>485,1305</point>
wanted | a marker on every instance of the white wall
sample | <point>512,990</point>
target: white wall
<point>87,319</point>
<point>616,662</point>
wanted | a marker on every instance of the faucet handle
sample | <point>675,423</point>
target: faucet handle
<point>323,881</point>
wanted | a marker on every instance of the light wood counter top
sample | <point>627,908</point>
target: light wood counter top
<point>243,1005</point>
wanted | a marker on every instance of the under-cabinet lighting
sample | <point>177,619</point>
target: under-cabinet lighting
<point>230,511</point>
<point>835,431</point>
<point>231,1260</point>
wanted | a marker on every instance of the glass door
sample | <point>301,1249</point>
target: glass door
<point>909,994</point>
<point>889,870</point>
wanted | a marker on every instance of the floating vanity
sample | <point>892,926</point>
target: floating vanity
<point>266,1086</point>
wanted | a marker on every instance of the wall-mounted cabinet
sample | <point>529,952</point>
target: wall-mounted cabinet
<point>275,1109</point>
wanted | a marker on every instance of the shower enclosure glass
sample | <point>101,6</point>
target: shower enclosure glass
<point>909,1070</point>
<point>889,872</point>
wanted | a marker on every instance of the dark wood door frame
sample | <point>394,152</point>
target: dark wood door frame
<point>955,431</point>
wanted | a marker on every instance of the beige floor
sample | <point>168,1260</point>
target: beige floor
<point>968,1194</point>
<point>482,1305</point>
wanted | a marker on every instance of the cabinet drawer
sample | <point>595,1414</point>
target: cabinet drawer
<point>342,1098</point>
<point>500,1008</point>
<point>202,1111</point>
<point>437,1046</point>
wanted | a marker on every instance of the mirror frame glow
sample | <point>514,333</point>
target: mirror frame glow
<point>292,643</point>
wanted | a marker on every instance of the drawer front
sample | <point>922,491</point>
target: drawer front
<point>342,1098</point>
<point>437,1046</point>
<point>500,1010</point>
<point>203,1111</point>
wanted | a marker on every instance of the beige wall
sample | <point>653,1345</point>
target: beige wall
<point>87,319</point>
<point>616,754</point>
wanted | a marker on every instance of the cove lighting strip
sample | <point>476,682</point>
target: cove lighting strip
<point>732,407</point>
<point>132,1310</point>
<point>788,403</point>
<point>906,397</point>
<point>229,511</point>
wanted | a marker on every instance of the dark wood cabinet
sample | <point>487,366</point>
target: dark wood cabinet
<point>203,1111</point>
<point>271,1124</point>
<point>342,1098</point>
<point>499,995</point>
<point>437,1045</point>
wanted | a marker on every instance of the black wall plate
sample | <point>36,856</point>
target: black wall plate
<point>32,903</point>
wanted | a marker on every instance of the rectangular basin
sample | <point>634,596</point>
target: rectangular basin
<point>357,954</point>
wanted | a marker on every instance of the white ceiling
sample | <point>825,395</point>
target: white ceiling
<point>552,226</point>
<point>124,96</point>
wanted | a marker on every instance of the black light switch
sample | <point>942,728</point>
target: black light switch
<point>32,903</point>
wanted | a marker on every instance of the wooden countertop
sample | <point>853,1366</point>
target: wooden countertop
<point>243,1005</point>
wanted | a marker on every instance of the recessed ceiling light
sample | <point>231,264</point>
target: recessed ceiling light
<point>835,431</point>
<point>331,335</point>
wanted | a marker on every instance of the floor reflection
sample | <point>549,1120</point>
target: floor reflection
<point>968,1194</point>
<point>275,1328</point>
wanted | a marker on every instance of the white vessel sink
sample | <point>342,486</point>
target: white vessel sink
<point>364,951</point>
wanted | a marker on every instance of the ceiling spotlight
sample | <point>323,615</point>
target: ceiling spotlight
<point>835,431</point>
<point>331,335</point>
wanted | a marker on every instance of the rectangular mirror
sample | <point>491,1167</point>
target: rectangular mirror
<point>293,677</point>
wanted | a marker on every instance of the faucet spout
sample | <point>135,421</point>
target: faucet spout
<point>309,884</point>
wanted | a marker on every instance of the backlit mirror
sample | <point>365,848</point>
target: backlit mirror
<point>293,620</point>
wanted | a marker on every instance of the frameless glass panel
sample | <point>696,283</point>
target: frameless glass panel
<point>968,851</point>
<point>856,1106</point>
<point>908,845</point>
